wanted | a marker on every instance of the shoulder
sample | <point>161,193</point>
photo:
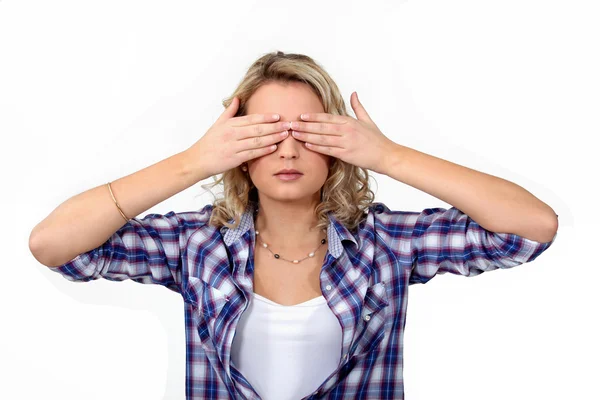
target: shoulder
<point>196,218</point>
<point>396,228</point>
<point>182,223</point>
<point>388,219</point>
<point>391,221</point>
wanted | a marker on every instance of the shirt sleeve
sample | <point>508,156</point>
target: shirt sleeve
<point>146,250</point>
<point>438,240</point>
<point>448,240</point>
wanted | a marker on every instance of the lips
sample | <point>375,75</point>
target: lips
<point>289,172</point>
<point>288,177</point>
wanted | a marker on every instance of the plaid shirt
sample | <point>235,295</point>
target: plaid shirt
<point>365,279</point>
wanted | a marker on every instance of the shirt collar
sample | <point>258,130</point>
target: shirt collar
<point>336,231</point>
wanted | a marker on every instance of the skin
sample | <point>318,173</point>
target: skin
<point>495,203</point>
<point>286,218</point>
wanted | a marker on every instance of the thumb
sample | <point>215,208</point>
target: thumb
<point>230,111</point>
<point>358,108</point>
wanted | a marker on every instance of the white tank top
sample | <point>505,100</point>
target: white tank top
<point>286,352</point>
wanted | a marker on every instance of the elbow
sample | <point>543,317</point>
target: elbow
<point>549,231</point>
<point>553,228</point>
<point>547,228</point>
<point>39,251</point>
<point>35,248</point>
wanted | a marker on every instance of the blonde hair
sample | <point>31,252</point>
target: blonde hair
<point>346,191</point>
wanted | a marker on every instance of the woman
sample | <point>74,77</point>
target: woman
<point>295,283</point>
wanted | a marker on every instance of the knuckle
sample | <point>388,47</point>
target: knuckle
<point>229,131</point>
<point>257,140</point>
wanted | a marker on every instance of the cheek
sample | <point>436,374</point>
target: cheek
<point>257,163</point>
<point>321,159</point>
<point>321,164</point>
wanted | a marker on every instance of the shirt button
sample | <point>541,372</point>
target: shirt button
<point>328,287</point>
<point>367,317</point>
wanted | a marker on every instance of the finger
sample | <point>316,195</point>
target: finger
<point>258,130</point>
<point>257,142</point>
<point>253,119</point>
<point>255,153</point>
<point>328,150</point>
<point>318,139</point>
<point>323,123</point>
<point>323,117</point>
<point>359,110</point>
<point>230,111</point>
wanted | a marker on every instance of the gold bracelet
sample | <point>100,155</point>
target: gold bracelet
<point>117,204</point>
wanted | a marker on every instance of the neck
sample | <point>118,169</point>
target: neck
<point>288,225</point>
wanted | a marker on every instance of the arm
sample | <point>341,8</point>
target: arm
<point>494,203</point>
<point>438,240</point>
<point>87,220</point>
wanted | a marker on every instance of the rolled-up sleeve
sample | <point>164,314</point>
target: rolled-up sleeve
<point>448,240</point>
<point>146,250</point>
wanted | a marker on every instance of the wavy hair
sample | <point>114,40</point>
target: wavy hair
<point>345,193</point>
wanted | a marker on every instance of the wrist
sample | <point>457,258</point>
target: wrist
<point>191,166</point>
<point>392,160</point>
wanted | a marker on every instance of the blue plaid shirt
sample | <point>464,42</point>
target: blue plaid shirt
<point>365,279</point>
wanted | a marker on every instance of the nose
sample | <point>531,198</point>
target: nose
<point>289,147</point>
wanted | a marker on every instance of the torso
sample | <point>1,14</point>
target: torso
<point>286,283</point>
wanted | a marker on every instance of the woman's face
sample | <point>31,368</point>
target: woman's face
<point>289,102</point>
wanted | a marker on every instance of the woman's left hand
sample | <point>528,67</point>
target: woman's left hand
<point>355,141</point>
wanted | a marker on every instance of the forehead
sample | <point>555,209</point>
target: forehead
<point>289,100</point>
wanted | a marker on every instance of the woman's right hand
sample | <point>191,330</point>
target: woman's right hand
<point>232,141</point>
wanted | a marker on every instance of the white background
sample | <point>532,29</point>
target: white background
<point>93,91</point>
